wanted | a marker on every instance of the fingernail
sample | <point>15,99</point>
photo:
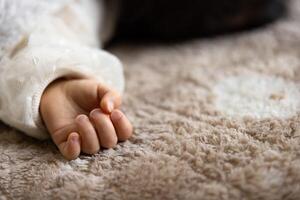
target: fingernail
<point>74,139</point>
<point>116,115</point>
<point>81,118</point>
<point>110,105</point>
<point>94,113</point>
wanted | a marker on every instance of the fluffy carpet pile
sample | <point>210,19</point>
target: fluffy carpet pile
<point>214,118</point>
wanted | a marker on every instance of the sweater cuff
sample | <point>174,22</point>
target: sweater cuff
<point>35,67</point>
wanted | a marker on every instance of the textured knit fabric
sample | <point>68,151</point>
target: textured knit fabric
<point>42,40</point>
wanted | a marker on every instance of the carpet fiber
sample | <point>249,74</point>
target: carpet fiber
<point>214,118</point>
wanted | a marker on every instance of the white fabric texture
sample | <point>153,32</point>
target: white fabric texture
<point>42,40</point>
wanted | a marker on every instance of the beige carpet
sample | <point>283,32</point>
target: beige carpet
<point>214,119</point>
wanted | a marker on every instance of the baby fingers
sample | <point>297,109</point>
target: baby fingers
<point>110,99</point>
<point>70,149</point>
<point>105,129</point>
<point>89,139</point>
<point>122,125</point>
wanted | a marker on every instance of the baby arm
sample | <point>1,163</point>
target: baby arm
<point>50,56</point>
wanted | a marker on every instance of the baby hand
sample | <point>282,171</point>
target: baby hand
<point>82,115</point>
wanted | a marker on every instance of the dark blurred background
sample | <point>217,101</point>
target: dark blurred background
<point>181,19</point>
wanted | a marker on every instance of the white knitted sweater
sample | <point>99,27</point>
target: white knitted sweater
<point>42,40</point>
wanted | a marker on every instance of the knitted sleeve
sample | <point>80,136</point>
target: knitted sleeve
<point>43,40</point>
